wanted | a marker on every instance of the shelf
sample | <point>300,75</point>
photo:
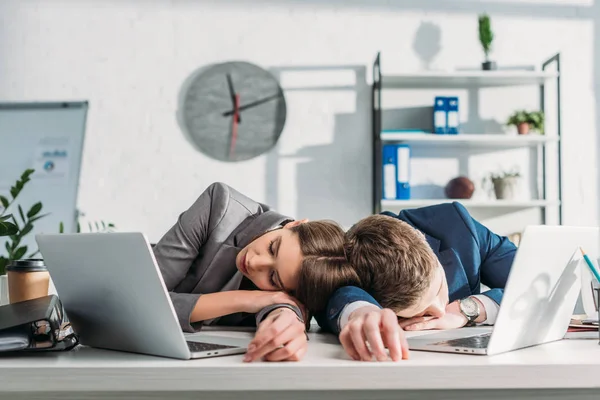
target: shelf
<point>472,140</point>
<point>516,204</point>
<point>461,79</point>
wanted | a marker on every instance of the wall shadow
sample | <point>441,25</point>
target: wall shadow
<point>333,180</point>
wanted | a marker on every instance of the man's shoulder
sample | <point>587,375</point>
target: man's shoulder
<point>435,214</point>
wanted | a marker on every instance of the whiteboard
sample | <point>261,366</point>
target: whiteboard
<point>47,137</point>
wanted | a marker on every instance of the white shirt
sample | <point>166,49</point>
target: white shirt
<point>491,310</point>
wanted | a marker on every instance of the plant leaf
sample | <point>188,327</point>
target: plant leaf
<point>97,226</point>
<point>103,225</point>
<point>34,210</point>
<point>35,253</point>
<point>15,243</point>
<point>22,214</point>
<point>20,253</point>
<point>5,217</point>
<point>61,228</point>
<point>7,247</point>
<point>3,264</point>
<point>90,227</point>
<point>7,229</point>
<point>78,227</point>
<point>26,229</point>
<point>4,201</point>
<point>14,192</point>
<point>27,173</point>
<point>38,217</point>
<point>111,225</point>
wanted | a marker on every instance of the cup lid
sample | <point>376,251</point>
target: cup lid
<point>27,265</point>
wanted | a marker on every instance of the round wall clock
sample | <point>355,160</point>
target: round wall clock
<point>233,111</point>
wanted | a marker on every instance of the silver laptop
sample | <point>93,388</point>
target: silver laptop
<point>114,295</point>
<point>539,298</point>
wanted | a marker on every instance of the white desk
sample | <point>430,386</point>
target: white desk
<point>565,369</point>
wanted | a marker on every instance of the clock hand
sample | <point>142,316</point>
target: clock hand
<point>234,125</point>
<point>253,104</point>
<point>232,93</point>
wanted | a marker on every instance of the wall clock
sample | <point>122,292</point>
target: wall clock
<point>233,111</point>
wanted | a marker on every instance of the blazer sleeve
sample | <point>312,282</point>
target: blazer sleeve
<point>336,304</point>
<point>180,246</point>
<point>497,254</point>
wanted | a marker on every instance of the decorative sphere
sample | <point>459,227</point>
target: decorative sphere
<point>459,188</point>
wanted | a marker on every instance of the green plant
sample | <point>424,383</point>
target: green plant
<point>497,176</point>
<point>93,226</point>
<point>535,119</point>
<point>486,36</point>
<point>14,230</point>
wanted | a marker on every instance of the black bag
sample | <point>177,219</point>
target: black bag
<point>36,325</point>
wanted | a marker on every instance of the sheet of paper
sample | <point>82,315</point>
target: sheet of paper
<point>51,160</point>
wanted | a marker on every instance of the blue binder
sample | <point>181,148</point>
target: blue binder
<point>396,172</point>
<point>440,108</point>
<point>452,120</point>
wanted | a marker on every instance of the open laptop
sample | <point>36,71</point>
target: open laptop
<point>114,295</point>
<point>539,298</point>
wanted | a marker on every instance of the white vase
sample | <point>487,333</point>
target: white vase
<point>3,290</point>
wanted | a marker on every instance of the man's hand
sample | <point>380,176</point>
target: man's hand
<point>280,337</point>
<point>453,319</point>
<point>376,328</point>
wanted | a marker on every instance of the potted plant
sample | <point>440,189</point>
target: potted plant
<point>526,121</point>
<point>14,230</point>
<point>486,37</point>
<point>505,184</point>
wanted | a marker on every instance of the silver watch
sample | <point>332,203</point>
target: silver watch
<point>469,307</point>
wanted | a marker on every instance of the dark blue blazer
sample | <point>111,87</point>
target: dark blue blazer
<point>469,252</point>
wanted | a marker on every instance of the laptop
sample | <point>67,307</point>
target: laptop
<point>540,295</point>
<point>114,295</point>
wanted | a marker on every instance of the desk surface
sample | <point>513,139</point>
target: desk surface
<point>563,364</point>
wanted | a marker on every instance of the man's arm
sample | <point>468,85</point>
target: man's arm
<point>344,301</point>
<point>497,255</point>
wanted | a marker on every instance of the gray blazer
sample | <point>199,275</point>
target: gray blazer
<point>197,255</point>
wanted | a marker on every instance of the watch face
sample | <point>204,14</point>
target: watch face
<point>469,307</point>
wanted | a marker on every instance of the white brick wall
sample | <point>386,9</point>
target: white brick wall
<point>129,59</point>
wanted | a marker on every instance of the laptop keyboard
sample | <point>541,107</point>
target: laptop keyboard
<point>201,346</point>
<point>472,342</point>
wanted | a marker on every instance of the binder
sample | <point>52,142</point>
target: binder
<point>440,108</point>
<point>452,120</point>
<point>396,172</point>
<point>36,325</point>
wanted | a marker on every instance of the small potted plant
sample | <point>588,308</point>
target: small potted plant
<point>14,230</point>
<point>486,37</point>
<point>526,121</point>
<point>505,184</point>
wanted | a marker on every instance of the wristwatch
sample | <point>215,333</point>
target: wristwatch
<point>469,307</point>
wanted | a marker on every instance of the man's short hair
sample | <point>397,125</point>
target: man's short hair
<point>393,260</point>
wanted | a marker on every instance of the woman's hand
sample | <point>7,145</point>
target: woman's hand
<point>256,300</point>
<point>280,337</point>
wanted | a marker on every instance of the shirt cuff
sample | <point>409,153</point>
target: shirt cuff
<point>349,309</point>
<point>491,309</point>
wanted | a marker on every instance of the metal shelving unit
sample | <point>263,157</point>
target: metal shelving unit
<point>464,79</point>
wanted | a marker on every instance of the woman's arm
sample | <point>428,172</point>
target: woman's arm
<point>215,305</point>
<point>180,246</point>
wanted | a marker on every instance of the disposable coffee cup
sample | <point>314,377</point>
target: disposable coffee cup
<point>27,279</point>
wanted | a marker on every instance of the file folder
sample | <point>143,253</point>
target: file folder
<point>396,172</point>
<point>452,120</point>
<point>440,109</point>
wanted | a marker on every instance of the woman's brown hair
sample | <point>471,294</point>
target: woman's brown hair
<point>325,267</point>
